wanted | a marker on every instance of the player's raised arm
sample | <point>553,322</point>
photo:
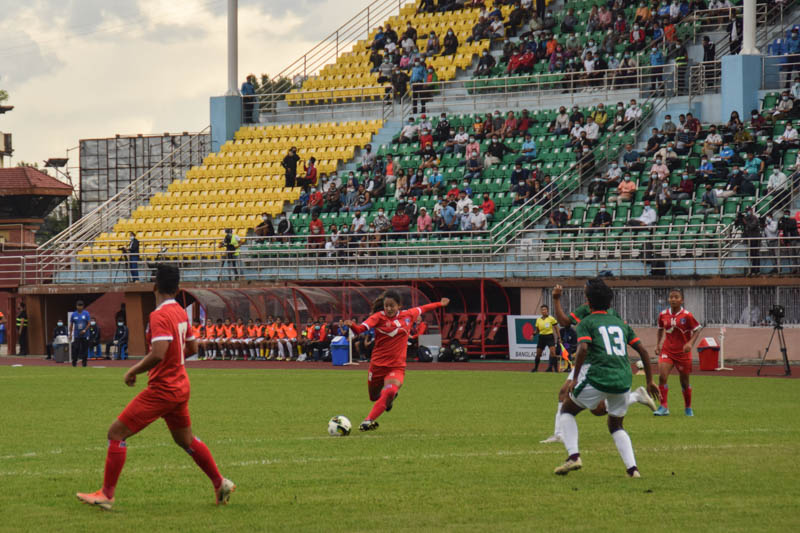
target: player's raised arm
<point>561,316</point>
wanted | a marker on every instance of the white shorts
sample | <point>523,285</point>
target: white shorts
<point>259,339</point>
<point>220,339</point>
<point>588,397</point>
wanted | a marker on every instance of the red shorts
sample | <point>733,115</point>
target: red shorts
<point>378,374</point>
<point>682,362</point>
<point>150,405</point>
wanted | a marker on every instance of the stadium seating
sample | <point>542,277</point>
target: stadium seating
<point>350,75</point>
<point>231,188</point>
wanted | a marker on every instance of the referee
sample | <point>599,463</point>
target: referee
<point>548,336</point>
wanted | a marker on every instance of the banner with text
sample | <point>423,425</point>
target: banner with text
<point>522,338</point>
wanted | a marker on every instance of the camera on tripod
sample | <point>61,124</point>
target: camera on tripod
<point>777,313</point>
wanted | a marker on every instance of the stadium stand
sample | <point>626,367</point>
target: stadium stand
<point>231,189</point>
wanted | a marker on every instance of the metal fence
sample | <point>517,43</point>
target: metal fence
<point>721,306</point>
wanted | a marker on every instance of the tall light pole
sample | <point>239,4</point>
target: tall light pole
<point>233,48</point>
<point>749,28</point>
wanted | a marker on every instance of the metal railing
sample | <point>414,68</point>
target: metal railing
<point>469,96</point>
<point>685,250</point>
<point>778,72</point>
<point>341,40</point>
<point>58,251</point>
<point>771,21</point>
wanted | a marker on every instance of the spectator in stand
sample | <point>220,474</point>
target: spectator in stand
<point>488,207</point>
<point>316,232</point>
<point>653,143</point>
<point>685,189</point>
<point>669,156</point>
<point>778,188</point>
<point>561,124</point>
<point>424,221</point>
<point>790,239</point>
<point>450,43</point>
<point>289,164</point>
<point>367,160</point>
<point>559,217</point>
<point>659,168</point>
<point>625,190</point>
<point>758,123</point>
<point>497,29</point>
<point>637,39</point>
<point>285,229</point>
<point>477,219</point>
<point>600,117</point>
<point>485,64</point>
<point>709,200</point>
<point>753,167</point>
<point>633,114</point>
<point>602,220</point>
<point>523,192</point>
<point>646,219</point>
<point>509,127</point>
<point>668,128</point>
<point>664,199</point>
<point>315,202</point>
<point>495,152</point>
<point>528,150</point>
<point>630,159</point>
<point>712,142</point>
<point>518,175</point>
<point>464,221</point>
<point>400,224</point>
<point>784,108</point>
<point>683,141</point>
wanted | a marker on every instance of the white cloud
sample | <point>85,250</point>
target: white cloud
<point>96,68</point>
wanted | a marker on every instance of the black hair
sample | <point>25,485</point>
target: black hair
<point>599,294</point>
<point>168,278</point>
<point>544,306</point>
<point>78,302</point>
<point>394,295</point>
<point>377,304</point>
<point>676,289</point>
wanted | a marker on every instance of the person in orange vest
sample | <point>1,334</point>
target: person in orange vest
<point>269,339</point>
<point>286,340</point>
<point>228,342</point>
<point>241,339</point>
<point>197,333</point>
<point>210,339</point>
<point>315,341</point>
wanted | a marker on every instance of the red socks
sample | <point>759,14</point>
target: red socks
<point>202,456</point>
<point>687,397</point>
<point>115,460</point>
<point>387,394</point>
<point>664,389</point>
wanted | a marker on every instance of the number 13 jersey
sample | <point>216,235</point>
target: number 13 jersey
<point>606,366</point>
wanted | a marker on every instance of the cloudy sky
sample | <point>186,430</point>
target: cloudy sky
<point>79,69</point>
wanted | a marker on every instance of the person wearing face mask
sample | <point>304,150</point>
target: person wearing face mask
<point>709,201</point>
<point>381,221</point>
<point>685,189</point>
<point>656,69</point>
<point>625,190</point>
<point>778,188</point>
<point>485,64</point>
<point>602,219</point>
<point>450,43</point>
<point>289,164</point>
<point>120,342</point>
<point>79,331</point>
<point>646,219</point>
<point>636,39</point>
<point>495,153</point>
<point>95,351</point>
<point>790,239</point>
<point>783,110</point>
<point>558,218</point>
<point>285,228</point>
<point>265,227</point>
<point>60,338</point>
<point>659,168</point>
<point>664,199</point>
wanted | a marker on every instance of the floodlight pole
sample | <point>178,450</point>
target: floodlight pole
<point>233,48</point>
<point>749,28</point>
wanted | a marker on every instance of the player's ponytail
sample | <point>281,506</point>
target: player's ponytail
<point>377,305</point>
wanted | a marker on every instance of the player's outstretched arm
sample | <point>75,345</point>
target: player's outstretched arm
<point>652,388</point>
<point>561,316</point>
<point>157,352</point>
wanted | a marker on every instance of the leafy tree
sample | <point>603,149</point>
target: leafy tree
<point>3,96</point>
<point>271,91</point>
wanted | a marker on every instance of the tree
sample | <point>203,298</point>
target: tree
<point>3,96</point>
<point>271,91</point>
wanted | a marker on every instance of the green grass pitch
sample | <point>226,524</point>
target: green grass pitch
<point>459,452</point>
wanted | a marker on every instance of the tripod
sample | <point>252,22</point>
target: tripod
<point>782,343</point>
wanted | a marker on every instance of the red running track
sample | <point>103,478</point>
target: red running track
<point>746,370</point>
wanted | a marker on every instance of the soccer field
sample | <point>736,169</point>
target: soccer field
<point>460,451</point>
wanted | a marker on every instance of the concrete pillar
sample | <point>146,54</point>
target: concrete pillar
<point>741,81</point>
<point>138,306</point>
<point>37,332</point>
<point>226,119</point>
<point>749,29</point>
<point>233,48</point>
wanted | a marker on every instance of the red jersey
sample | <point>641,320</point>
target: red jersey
<point>678,328</point>
<point>169,323</point>
<point>391,334</point>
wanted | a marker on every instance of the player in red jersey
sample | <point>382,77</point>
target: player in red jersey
<point>166,395</point>
<point>679,330</point>
<point>387,368</point>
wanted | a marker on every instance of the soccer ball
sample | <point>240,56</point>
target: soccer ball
<point>640,365</point>
<point>339,426</point>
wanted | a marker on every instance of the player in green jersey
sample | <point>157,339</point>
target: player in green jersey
<point>602,373</point>
<point>638,396</point>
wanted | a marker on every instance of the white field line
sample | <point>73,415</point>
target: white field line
<point>267,461</point>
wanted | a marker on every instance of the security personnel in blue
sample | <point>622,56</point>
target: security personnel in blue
<point>79,331</point>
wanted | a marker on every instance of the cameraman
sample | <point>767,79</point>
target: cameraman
<point>752,233</point>
<point>131,253</point>
<point>231,242</point>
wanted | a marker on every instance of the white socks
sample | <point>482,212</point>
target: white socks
<point>624,447</point>
<point>558,413</point>
<point>568,429</point>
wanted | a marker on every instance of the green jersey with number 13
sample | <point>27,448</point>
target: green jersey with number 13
<point>608,337</point>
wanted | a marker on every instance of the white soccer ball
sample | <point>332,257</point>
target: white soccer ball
<point>640,365</point>
<point>339,426</point>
